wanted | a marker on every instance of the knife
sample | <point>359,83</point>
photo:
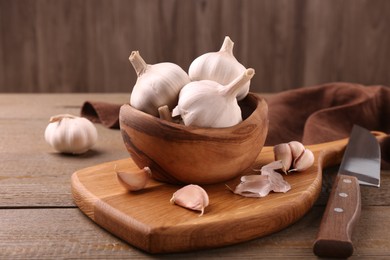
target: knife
<point>360,165</point>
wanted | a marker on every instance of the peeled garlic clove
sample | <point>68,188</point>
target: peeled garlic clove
<point>157,85</point>
<point>206,103</point>
<point>220,66</point>
<point>70,134</point>
<point>283,152</point>
<point>191,197</point>
<point>136,180</point>
<point>304,161</point>
<point>297,149</point>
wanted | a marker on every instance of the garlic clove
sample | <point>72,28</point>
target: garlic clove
<point>157,85</point>
<point>206,103</point>
<point>297,149</point>
<point>191,197</point>
<point>283,152</point>
<point>70,134</point>
<point>220,66</point>
<point>134,181</point>
<point>304,161</point>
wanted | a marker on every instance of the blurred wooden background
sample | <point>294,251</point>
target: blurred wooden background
<point>83,45</point>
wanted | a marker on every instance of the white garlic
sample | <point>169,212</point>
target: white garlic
<point>192,197</point>
<point>134,181</point>
<point>70,134</point>
<point>207,103</point>
<point>157,85</point>
<point>220,66</point>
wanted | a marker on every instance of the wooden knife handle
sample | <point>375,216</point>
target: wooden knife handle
<point>340,217</point>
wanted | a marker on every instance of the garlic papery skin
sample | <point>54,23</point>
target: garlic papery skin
<point>157,85</point>
<point>134,180</point>
<point>209,104</point>
<point>220,66</point>
<point>70,134</point>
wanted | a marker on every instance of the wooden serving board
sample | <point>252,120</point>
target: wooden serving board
<point>146,219</point>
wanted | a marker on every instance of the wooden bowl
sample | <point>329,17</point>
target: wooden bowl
<point>181,154</point>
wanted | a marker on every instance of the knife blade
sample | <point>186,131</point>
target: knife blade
<point>360,165</point>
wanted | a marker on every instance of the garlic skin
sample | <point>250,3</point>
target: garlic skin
<point>134,181</point>
<point>70,134</point>
<point>191,197</point>
<point>220,66</point>
<point>157,85</point>
<point>260,185</point>
<point>207,103</point>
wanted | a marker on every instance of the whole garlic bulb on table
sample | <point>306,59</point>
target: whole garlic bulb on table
<point>70,134</point>
<point>220,66</point>
<point>157,85</point>
<point>206,103</point>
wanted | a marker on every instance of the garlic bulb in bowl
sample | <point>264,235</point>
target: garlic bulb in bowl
<point>206,103</point>
<point>220,66</point>
<point>70,134</point>
<point>157,85</point>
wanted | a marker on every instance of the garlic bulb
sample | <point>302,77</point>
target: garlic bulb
<point>220,66</point>
<point>157,85</point>
<point>207,103</point>
<point>70,134</point>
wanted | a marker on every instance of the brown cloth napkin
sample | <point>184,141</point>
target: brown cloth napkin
<point>311,115</point>
<point>327,112</point>
<point>104,113</point>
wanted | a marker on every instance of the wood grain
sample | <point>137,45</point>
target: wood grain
<point>334,237</point>
<point>33,174</point>
<point>83,45</point>
<point>146,220</point>
<point>172,150</point>
<point>67,233</point>
<point>39,220</point>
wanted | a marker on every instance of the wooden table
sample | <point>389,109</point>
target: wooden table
<point>38,218</point>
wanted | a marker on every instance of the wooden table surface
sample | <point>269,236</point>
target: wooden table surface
<point>38,218</point>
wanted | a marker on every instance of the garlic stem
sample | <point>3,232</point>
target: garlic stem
<point>164,113</point>
<point>138,62</point>
<point>234,87</point>
<point>227,45</point>
<point>59,117</point>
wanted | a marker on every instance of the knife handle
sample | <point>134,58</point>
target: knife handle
<point>340,217</point>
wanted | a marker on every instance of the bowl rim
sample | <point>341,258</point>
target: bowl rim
<point>259,103</point>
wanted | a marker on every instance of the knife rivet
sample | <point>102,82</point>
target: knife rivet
<point>343,194</point>
<point>347,180</point>
<point>338,209</point>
